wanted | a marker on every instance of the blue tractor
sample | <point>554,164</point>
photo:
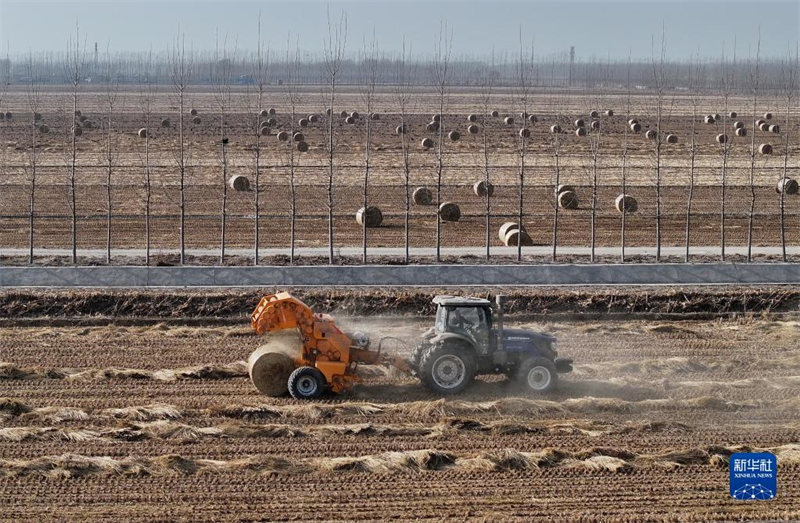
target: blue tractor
<point>469,339</point>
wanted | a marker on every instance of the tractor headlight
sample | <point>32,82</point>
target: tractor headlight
<point>553,347</point>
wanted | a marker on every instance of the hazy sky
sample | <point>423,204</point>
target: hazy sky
<point>595,28</point>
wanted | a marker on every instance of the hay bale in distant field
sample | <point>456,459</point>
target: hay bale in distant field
<point>427,143</point>
<point>472,118</point>
<point>595,125</point>
<point>632,121</point>
<point>165,122</point>
<point>82,118</point>
<point>77,131</point>
<point>506,227</point>
<point>775,129</point>
<point>672,138</point>
<point>722,138</point>
<point>473,129</point>
<point>787,186</point>
<point>568,200</point>
<point>272,111</point>
<point>422,196</point>
<point>271,364</point>
<point>272,121</point>
<point>313,118</point>
<point>717,117</point>
<point>349,120</point>
<point>533,119</point>
<point>298,137</point>
<point>523,115</point>
<point>738,125</point>
<point>454,136</point>
<point>399,130</point>
<point>44,129</point>
<point>765,148</point>
<point>193,112</point>
<point>87,124</point>
<point>609,112</point>
<point>480,188</point>
<point>555,129</point>
<point>196,120</point>
<point>494,114</point>
<point>343,114</point>
<point>593,114</point>
<point>9,115</point>
<point>264,130</point>
<point>516,237</point>
<point>303,122</point>
<point>580,122</point>
<point>760,122</point>
<point>449,212</point>
<point>580,131</point>
<point>564,187</point>
<point>282,136</point>
<point>302,147</point>
<point>709,119</point>
<point>78,112</point>
<point>636,127</point>
<point>373,217</point>
<point>355,115</point>
<point>432,127</point>
<point>508,120</point>
<point>239,183</point>
<point>629,202</point>
<point>2,116</point>
<point>142,133</point>
<point>651,135</point>
<point>733,114</point>
<point>741,131</point>
<point>263,113</point>
<point>436,118</point>
<point>764,127</point>
<point>767,116</point>
<point>525,133</point>
<point>37,117</point>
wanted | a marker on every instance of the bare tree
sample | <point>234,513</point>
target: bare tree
<point>34,100</point>
<point>789,73</point>
<point>695,100</point>
<point>440,74</point>
<point>725,143</point>
<point>487,88</point>
<point>555,142</point>
<point>73,65</point>
<point>754,86</point>
<point>625,161</point>
<point>261,77</point>
<point>110,154</point>
<point>334,48</point>
<point>403,85</point>
<point>293,98</point>
<point>369,75</point>
<point>524,65</point>
<point>658,78</point>
<point>180,71</point>
<point>221,77</point>
<point>147,92</point>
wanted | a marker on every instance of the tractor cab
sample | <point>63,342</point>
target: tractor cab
<point>470,318</point>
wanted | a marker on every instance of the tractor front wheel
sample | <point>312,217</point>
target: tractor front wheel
<point>306,383</point>
<point>447,369</point>
<point>537,374</point>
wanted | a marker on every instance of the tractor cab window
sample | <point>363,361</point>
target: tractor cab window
<point>470,322</point>
<point>441,319</point>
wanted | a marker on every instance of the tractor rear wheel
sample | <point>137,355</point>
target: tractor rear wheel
<point>537,374</point>
<point>447,369</point>
<point>306,383</point>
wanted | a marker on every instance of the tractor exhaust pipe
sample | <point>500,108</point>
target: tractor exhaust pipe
<point>500,300</point>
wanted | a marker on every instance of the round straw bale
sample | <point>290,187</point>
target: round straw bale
<point>196,120</point>
<point>349,120</point>
<point>564,187</point>
<point>271,365</point>
<point>298,137</point>
<point>764,127</point>
<point>579,122</point>
<point>44,129</point>
<point>717,117</point>
<point>82,118</point>
<point>480,188</point>
<point>328,111</point>
<point>515,237</point>
<point>767,116</point>
<point>87,124</point>
<point>272,111</point>
<point>580,131</point>
<point>473,129</point>
<point>741,131</point>
<point>37,117</point>
<point>494,114</point>
<point>263,113</point>
<point>787,186</point>
<point>765,148</point>
<point>78,112</point>
<point>632,121</point>
<point>722,138</point>
<point>733,114</point>
<point>355,115</point>
<point>449,212</point>
<point>555,129</point>
<point>432,127</point>
<point>672,138</point>
<point>263,124</point>
<point>193,112</point>
<point>454,136</point>
<point>709,119</point>
<point>165,122</point>
<point>239,183</point>
<point>523,115</point>
<point>525,133</point>
<point>143,133</point>
<point>343,114</point>
<point>373,216</point>
<point>651,135</point>
<point>302,146</point>
<point>264,130</point>
<point>759,123</point>
<point>9,115</point>
<point>2,116</point>
<point>303,122</point>
<point>509,120</point>
<point>77,131</point>
<point>629,202</point>
<point>533,119</point>
<point>568,200</point>
<point>436,118</point>
<point>506,227</point>
<point>738,125</point>
<point>609,112</point>
<point>283,136</point>
<point>775,129</point>
<point>427,143</point>
<point>399,130</point>
<point>375,116</point>
<point>636,127</point>
<point>271,121</point>
<point>595,125</point>
<point>593,114</point>
<point>422,196</point>
<point>472,118</point>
